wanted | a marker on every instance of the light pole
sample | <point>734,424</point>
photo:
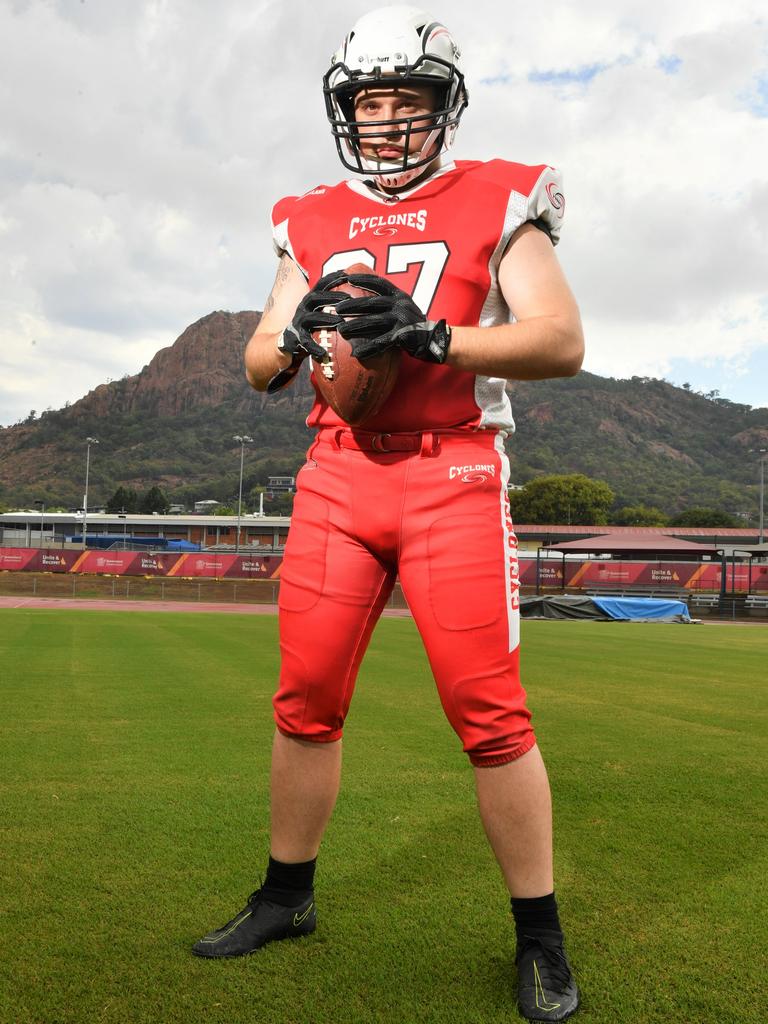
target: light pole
<point>763,453</point>
<point>89,441</point>
<point>41,503</point>
<point>121,515</point>
<point>242,440</point>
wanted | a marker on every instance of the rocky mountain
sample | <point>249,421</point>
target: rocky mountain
<point>202,368</point>
<point>172,425</point>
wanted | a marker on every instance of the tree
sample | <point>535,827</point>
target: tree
<point>639,515</point>
<point>154,501</point>
<point>224,510</point>
<point>573,498</point>
<point>705,517</point>
<point>281,504</point>
<point>123,500</point>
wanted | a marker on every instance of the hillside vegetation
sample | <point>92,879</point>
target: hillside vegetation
<point>172,425</point>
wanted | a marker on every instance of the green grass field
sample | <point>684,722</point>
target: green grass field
<point>135,750</point>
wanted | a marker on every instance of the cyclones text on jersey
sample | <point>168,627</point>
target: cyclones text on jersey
<point>413,219</point>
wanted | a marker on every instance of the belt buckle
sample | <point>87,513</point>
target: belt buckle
<point>377,443</point>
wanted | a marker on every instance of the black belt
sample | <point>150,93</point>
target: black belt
<point>427,442</point>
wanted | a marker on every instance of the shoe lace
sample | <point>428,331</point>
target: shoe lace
<point>553,964</point>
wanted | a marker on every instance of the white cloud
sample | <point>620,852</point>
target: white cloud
<point>144,143</point>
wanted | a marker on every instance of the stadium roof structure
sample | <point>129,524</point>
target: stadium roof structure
<point>629,544</point>
<point>708,532</point>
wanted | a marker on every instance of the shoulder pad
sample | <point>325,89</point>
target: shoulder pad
<point>538,190</point>
<point>546,202</point>
<point>281,213</point>
<point>285,208</point>
<point>520,178</point>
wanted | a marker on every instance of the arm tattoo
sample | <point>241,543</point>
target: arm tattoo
<point>283,270</point>
<point>283,273</point>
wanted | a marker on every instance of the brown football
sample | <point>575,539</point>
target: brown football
<point>353,389</point>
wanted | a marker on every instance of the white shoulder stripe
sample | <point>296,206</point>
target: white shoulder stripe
<point>512,574</point>
<point>282,244</point>
<point>490,392</point>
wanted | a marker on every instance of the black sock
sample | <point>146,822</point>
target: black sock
<point>289,884</point>
<point>540,912</point>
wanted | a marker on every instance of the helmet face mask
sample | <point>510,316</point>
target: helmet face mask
<point>390,49</point>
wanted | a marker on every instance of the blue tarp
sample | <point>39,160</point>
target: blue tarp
<point>117,540</point>
<point>651,608</point>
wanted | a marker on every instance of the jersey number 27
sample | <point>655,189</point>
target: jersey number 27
<point>432,256</point>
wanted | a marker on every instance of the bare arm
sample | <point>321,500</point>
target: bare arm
<point>546,340</point>
<point>262,359</point>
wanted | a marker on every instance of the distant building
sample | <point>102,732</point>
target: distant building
<point>175,510</point>
<point>265,533</point>
<point>281,484</point>
<point>207,506</point>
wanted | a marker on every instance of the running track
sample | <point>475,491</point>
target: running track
<point>116,605</point>
<point>93,605</point>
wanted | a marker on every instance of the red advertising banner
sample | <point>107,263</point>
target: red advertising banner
<point>16,559</point>
<point>56,561</point>
<point>37,560</point>
<point>201,563</point>
<point>614,574</point>
<point>646,574</point>
<point>592,574</point>
<point>550,572</point>
<point>124,563</point>
<point>737,578</point>
<point>250,567</point>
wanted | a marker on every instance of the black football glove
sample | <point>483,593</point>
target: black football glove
<point>296,340</point>
<point>390,319</point>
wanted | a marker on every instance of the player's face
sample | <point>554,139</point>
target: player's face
<point>388,104</point>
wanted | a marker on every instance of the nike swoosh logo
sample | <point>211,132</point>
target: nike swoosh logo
<point>544,1004</point>
<point>297,919</point>
<point>238,920</point>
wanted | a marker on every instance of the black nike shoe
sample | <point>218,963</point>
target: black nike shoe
<point>258,923</point>
<point>546,989</point>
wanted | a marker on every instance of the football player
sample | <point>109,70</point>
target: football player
<point>466,284</point>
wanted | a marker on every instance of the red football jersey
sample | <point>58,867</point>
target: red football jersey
<point>441,242</point>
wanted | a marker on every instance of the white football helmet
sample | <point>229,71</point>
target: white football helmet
<point>393,46</point>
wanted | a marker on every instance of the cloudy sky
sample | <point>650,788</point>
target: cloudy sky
<point>142,143</point>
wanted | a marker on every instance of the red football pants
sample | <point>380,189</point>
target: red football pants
<point>438,517</point>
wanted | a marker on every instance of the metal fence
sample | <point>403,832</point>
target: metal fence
<point>141,588</point>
